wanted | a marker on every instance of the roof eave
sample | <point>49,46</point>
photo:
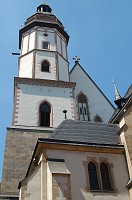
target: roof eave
<point>122,110</point>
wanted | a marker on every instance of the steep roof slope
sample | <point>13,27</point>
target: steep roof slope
<point>127,101</point>
<point>86,132</point>
<point>78,64</point>
<point>98,103</point>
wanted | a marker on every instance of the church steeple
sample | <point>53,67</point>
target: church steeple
<point>43,44</point>
<point>43,76</point>
<point>117,94</point>
<point>119,101</point>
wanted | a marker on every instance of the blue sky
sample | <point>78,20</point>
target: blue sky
<point>100,34</point>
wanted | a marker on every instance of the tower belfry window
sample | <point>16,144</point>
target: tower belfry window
<point>45,66</point>
<point>45,111</point>
<point>45,45</point>
<point>83,112</point>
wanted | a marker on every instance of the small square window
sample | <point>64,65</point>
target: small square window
<point>45,45</point>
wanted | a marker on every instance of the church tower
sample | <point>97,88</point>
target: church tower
<point>43,77</point>
<point>43,94</point>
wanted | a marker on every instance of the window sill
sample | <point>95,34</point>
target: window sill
<point>103,191</point>
<point>45,71</point>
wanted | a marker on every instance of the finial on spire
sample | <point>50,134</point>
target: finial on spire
<point>76,59</point>
<point>44,8</point>
<point>117,94</point>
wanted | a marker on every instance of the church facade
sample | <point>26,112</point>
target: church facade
<point>67,115</point>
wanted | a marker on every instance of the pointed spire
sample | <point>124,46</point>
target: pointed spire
<point>117,94</point>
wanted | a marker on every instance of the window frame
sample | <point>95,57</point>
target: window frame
<point>48,45</point>
<point>42,66</point>
<point>98,164</point>
<point>109,175</point>
<point>97,174</point>
<point>83,108</point>
<point>50,114</point>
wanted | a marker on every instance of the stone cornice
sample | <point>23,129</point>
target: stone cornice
<point>44,144</point>
<point>44,82</point>
<point>42,24</point>
<point>43,50</point>
<point>116,149</point>
<point>31,129</point>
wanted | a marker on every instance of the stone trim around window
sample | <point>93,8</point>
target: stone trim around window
<point>51,113</point>
<point>45,68</point>
<point>111,174</point>
<point>82,106</point>
<point>46,45</point>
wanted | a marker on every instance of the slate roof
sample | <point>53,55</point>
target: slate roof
<point>86,132</point>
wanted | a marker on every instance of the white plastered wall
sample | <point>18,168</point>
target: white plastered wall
<point>74,162</point>
<point>64,49</point>
<point>63,69</point>
<point>41,38</point>
<point>32,41</point>
<point>25,44</point>
<point>97,103</point>
<point>32,96</point>
<point>59,44</point>
<point>28,42</point>
<point>50,57</point>
<point>34,186</point>
<point>26,66</point>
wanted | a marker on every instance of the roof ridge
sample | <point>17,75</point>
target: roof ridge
<point>92,122</point>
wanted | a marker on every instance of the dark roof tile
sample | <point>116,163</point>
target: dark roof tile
<point>88,132</point>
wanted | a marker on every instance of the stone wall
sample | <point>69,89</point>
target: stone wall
<point>20,144</point>
<point>125,123</point>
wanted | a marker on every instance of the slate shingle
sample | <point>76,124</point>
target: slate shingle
<point>88,132</point>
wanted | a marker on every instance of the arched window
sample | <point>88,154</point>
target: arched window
<point>45,111</point>
<point>45,66</point>
<point>93,177</point>
<point>105,176</point>
<point>83,108</point>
